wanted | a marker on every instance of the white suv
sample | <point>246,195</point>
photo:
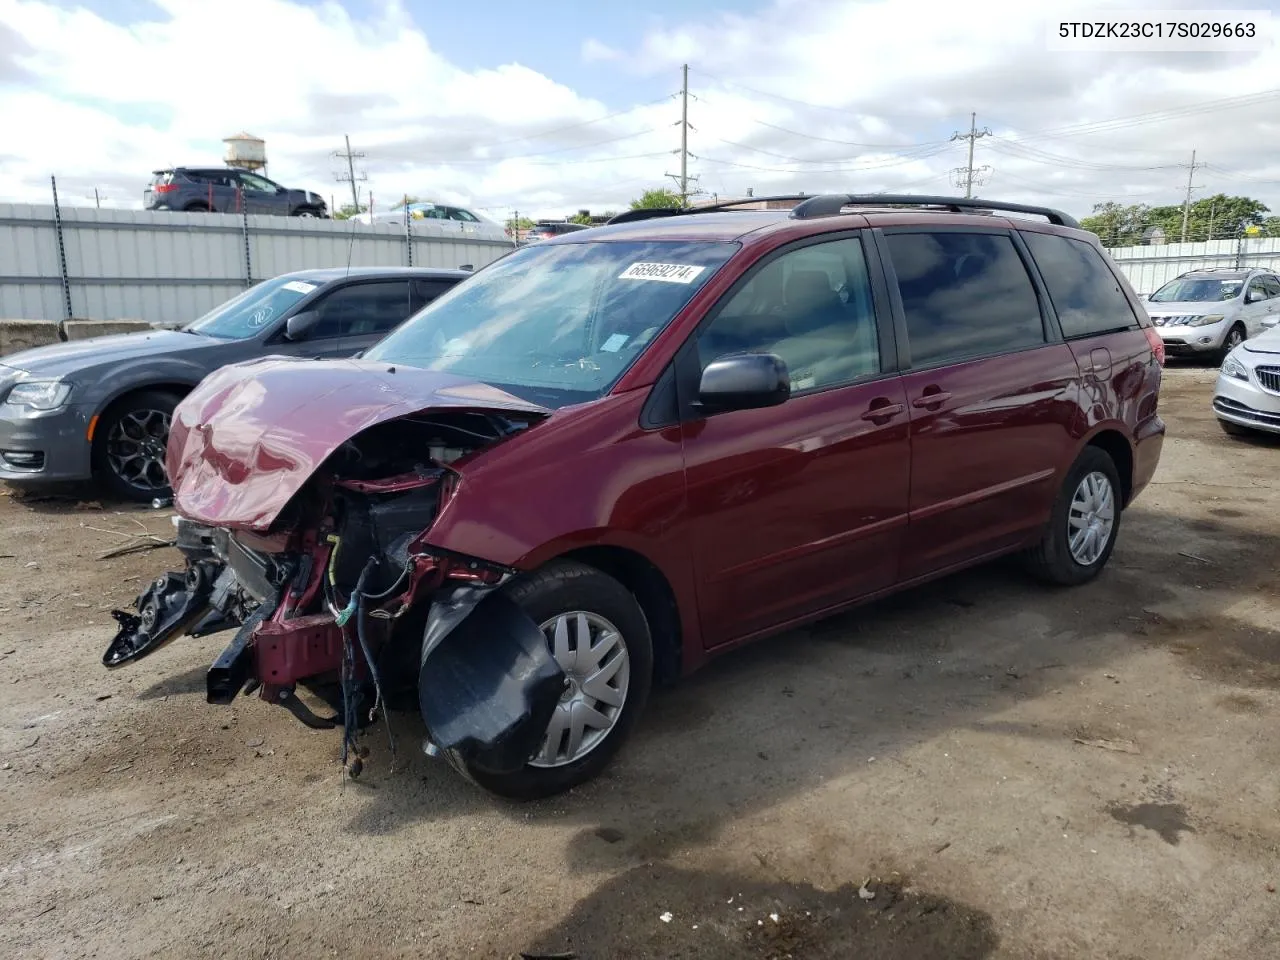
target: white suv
<point>1211,312</point>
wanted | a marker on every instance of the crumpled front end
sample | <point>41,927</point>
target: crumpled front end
<point>305,500</point>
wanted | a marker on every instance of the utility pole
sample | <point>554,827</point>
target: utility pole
<point>350,175</point>
<point>972,136</point>
<point>1186,203</point>
<point>684,134</point>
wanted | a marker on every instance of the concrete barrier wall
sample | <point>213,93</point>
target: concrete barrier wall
<point>19,335</point>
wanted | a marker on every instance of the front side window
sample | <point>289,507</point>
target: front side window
<point>1258,290</point>
<point>257,184</point>
<point>812,308</point>
<point>557,324</point>
<point>1198,290</point>
<point>362,309</point>
<point>965,295</point>
<point>259,307</point>
<point>1272,286</point>
<point>1085,293</point>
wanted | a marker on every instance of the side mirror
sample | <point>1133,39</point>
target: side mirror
<point>744,381</point>
<point>297,326</point>
<point>357,355</point>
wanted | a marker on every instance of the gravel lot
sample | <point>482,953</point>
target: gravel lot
<point>1010,771</point>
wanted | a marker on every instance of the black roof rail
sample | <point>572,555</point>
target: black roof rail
<point>629,216</point>
<point>830,204</point>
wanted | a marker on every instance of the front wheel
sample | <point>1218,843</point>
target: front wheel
<point>306,212</point>
<point>598,635</point>
<point>1083,526</point>
<point>1235,337</point>
<point>129,446</point>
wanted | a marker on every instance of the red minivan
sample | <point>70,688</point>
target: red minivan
<point>607,457</point>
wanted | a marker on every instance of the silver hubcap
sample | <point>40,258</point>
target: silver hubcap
<point>135,449</point>
<point>1091,518</point>
<point>591,652</point>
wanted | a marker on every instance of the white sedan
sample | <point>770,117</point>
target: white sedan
<point>1247,396</point>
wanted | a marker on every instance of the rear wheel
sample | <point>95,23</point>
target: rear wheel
<point>1082,529</point>
<point>306,212</point>
<point>196,208</point>
<point>129,446</point>
<point>1235,337</point>
<point>598,634</point>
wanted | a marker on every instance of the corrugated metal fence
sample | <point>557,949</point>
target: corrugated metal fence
<point>172,267</point>
<point>1149,268</point>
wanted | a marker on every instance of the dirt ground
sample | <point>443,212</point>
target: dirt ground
<point>1005,771</point>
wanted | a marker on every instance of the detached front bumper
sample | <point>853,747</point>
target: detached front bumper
<point>1246,404</point>
<point>44,446</point>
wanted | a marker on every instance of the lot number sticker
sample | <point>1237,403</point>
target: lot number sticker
<point>299,286</point>
<point>666,272</point>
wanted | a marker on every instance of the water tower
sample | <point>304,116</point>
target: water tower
<point>246,152</point>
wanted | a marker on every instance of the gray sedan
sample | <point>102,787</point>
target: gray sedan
<point>101,408</point>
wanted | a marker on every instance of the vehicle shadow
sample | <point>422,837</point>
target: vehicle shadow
<point>780,717</point>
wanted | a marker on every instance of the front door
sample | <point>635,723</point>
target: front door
<point>1258,304</point>
<point>356,316</point>
<point>991,395</point>
<point>261,195</point>
<point>802,506</point>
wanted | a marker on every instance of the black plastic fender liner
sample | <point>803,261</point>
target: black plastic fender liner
<point>488,684</point>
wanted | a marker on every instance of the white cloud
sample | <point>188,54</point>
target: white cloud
<point>804,95</point>
<point>593,50</point>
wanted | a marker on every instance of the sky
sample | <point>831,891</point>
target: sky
<point>552,107</point>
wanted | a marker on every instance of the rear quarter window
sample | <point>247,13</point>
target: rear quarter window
<point>964,295</point>
<point>1085,293</point>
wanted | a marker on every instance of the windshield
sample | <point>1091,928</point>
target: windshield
<point>244,316</point>
<point>556,324</point>
<point>1199,290</point>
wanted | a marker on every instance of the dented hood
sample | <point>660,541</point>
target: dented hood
<point>251,434</point>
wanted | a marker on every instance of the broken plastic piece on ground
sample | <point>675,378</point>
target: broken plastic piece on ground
<point>170,605</point>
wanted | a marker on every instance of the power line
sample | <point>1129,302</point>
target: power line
<point>1086,128</point>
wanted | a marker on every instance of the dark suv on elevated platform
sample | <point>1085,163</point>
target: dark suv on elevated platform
<point>612,455</point>
<point>228,190</point>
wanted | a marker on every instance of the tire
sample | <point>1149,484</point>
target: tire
<point>196,208</point>
<point>1052,560</point>
<point>1234,429</point>
<point>1235,336</point>
<point>559,588</point>
<point>306,212</point>
<point>138,423</point>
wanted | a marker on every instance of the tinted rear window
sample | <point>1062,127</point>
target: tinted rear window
<point>1086,295</point>
<point>965,295</point>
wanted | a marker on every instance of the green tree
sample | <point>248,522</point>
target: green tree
<point>1117,225</point>
<point>1271,227</point>
<point>1220,217</point>
<point>659,198</point>
<point>347,211</point>
<point>583,218</point>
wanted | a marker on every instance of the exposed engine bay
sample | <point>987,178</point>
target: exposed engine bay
<point>344,598</point>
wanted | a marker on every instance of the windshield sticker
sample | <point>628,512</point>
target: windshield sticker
<point>615,343</point>
<point>299,286</point>
<point>260,316</point>
<point>666,272</point>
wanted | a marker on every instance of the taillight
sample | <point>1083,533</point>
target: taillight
<point>1157,345</point>
<point>165,187</point>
